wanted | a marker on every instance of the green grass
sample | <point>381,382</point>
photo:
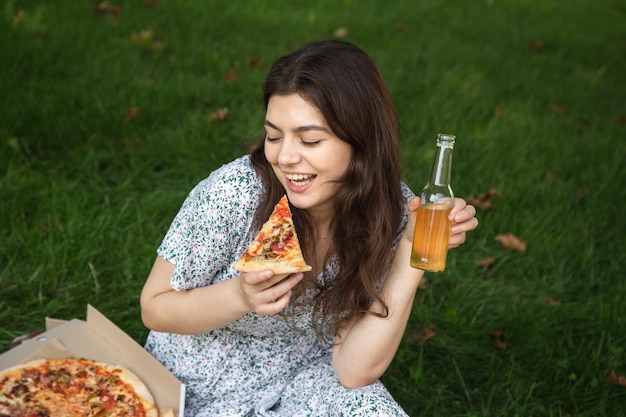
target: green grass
<point>86,195</point>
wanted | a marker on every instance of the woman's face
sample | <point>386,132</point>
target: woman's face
<point>305,154</point>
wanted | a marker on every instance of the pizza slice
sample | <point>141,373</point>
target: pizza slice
<point>276,247</point>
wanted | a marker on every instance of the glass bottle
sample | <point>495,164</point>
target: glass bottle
<point>432,226</point>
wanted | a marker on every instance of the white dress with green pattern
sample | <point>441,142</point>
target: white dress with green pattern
<point>256,365</point>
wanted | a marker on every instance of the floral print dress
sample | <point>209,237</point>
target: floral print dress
<point>256,365</point>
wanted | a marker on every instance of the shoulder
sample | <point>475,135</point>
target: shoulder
<point>235,176</point>
<point>407,192</point>
<point>232,186</point>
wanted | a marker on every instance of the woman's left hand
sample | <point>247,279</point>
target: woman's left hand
<point>462,220</point>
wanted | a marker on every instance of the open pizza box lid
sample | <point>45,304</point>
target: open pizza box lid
<point>101,340</point>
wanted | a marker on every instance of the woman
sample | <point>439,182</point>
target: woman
<point>306,344</point>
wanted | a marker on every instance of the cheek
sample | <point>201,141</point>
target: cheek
<point>341,162</point>
<point>270,154</point>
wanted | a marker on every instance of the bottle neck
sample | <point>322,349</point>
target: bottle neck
<point>442,165</point>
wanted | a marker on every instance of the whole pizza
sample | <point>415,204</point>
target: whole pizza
<point>73,387</point>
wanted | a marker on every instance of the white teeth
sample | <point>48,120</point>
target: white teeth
<point>299,179</point>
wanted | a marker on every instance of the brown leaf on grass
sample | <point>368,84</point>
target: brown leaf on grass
<point>484,263</point>
<point>556,108</point>
<point>427,334</point>
<point>613,378</point>
<point>537,45</point>
<point>483,200</point>
<point>107,8</point>
<point>579,194</point>
<point>552,302</point>
<point>47,228</point>
<point>146,39</point>
<point>19,17</point>
<point>497,112</point>
<point>219,115</point>
<point>585,123</point>
<point>621,119</point>
<point>510,241</point>
<point>401,27</point>
<point>255,62</point>
<point>152,3</point>
<point>548,177</point>
<point>132,113</point>
<point>341,32</point>
<point>231,75</point>
<point>499,340</point>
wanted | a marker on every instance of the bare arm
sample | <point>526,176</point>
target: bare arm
<point>366,347</point>
<point>203,309</point>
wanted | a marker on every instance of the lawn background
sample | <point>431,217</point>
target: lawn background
<point>105,125</point>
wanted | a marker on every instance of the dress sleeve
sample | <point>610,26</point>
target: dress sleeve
<point>408,195</point>
<point>210,227</point>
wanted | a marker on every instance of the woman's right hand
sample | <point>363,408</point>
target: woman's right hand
<point>267,293</point>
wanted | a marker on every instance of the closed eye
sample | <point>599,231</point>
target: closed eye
<point>309,142</point>
<point>269,139</point>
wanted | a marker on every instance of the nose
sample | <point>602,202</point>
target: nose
<point>288,154</point>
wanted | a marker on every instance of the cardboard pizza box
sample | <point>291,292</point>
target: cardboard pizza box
<point>99,339</point>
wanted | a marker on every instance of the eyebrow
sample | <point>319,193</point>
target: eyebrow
<point>304,128</point>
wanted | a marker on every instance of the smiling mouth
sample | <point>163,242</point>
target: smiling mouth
<point>299,180</point>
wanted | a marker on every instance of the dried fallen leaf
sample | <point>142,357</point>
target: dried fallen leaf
<point>483,263</point>
<point>255,62</point>
<point>107,8</point>
<point>548,177</point>
<point>621,119</point>
<point>19,17</point>
<point>219,115</point>
<point>499,340</point>
<point>537,45</point>
<point>341,32</point>
<point>510,241</point>
<point>579,194</point>
<point>556,108</point>
<point>132,113</point>
<point>428,333</point>
<point>47,228</point>
<point>585,123</point>
<point>401,27</point>
<point>613,378</point>
<point>231,75</point>
<point>483,200</point>
<point>552,302</point>
<point>147,40</point>
<point>497,112</point>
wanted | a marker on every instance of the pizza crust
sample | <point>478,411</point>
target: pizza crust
<point>256,265</point>
<point>140,388</point>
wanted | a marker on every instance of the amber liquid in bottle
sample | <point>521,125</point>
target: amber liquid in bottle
<point>432,226</point>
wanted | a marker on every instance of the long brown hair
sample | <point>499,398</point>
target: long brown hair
<point>344,83</point>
